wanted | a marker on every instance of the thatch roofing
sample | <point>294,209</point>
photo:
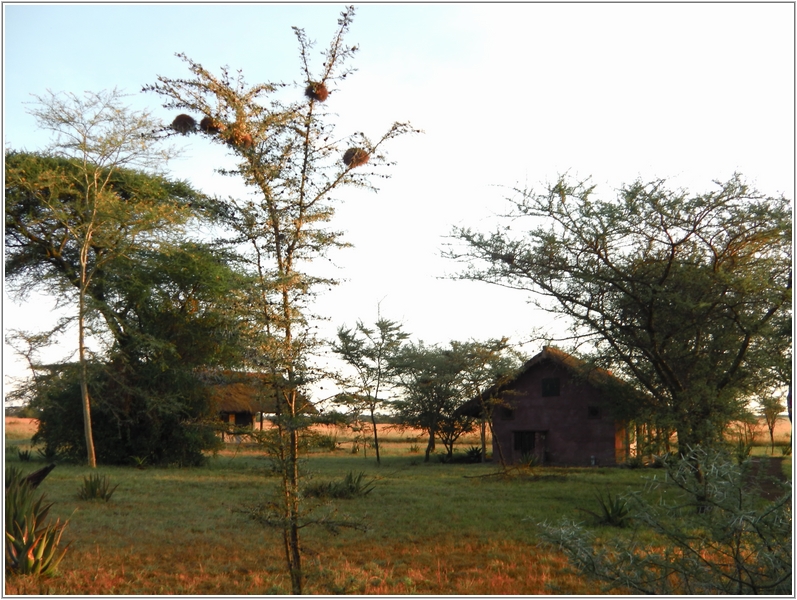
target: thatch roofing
<point>595,376</point>
<point>240,392</point>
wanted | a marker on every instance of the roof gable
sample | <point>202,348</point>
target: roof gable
<point>243,392</point>
<point>578,368</point>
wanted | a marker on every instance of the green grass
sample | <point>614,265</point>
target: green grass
<point>433,528</point>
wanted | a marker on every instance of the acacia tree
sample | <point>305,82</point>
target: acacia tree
<point>770,409</point>
<point>685,295</point>
<point>429,377</point>
<point>157,303</point>
<point>289,157</point>
<point>77,222</point>
<point>150,397</point>
<point>486,365</point>
<point>369,351</point>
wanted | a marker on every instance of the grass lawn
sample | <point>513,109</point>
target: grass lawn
<point>433,528</point>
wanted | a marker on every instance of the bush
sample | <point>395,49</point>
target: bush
<point>614,512</point>
<point>470,456</point>
<point>325,443</point>
<point>473,454</point>
<point>352,486</point>
<point>168,431</point>
<point>712,532</point>
<point>24,455</point>
<point>32,545</point>
<point>96,487</point>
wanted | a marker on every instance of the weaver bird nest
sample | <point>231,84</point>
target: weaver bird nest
<point>354,157</point>
<point>184,124</point>
<point>316,91</point>
<point>239,138</point>
<point>211,126</point>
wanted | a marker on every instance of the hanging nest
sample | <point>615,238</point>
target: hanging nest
<point>316,91</point>
<point>184,124</point>
<point>354,157</point>
<point>240,139</point>
<point>211,126</point>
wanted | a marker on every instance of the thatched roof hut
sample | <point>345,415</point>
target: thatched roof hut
<point>239,397</point>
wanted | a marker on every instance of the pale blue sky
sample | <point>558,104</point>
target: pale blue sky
<point>506,93</point>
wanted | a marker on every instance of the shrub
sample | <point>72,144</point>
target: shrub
<point>48,453</point>
<point>740,545</point>
<point>325,442</point>
<point>96,487</point>
<point>32,546</point>
<point>352,486</point>
<point>528,461</point>
<point>166,433</point>
<point>24,455</point>
<point>615,512</point>
<point>635,462</point>
<point>473,454</point>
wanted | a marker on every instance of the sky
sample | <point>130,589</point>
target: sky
<point>508,95</point>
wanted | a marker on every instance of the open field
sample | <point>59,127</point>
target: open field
<point>432,528</point>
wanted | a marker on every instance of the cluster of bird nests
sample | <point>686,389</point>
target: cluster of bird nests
<point>236,136</point>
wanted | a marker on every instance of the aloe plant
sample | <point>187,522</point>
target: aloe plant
<point>96,487</point>
<point>615,511</point>
<point>32,548</point>
<point>32,545</point>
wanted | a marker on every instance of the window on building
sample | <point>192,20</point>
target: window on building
<point>505,413</point>
<point>523,442</point>
<point>593,412</point>
<point>550,386</point>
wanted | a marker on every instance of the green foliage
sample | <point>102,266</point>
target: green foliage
<point>287,155</point>
<point>635,462</point>
<point>48,453</point>
<point>324,442</point>
<point>96,487</point>
<point>32,545</point>
<point>369,352</point>
<point>528,461</point>
<point>24,455</point>
<point>473,454</point>
<point>351,486</point>
<point>166,427</point>
<point>687,296</point>
<point>707,530</point>
<point>614,511</point>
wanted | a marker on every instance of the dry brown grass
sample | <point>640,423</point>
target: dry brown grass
<point>19,427</point>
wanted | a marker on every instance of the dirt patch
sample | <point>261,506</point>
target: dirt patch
<point>769,471</point>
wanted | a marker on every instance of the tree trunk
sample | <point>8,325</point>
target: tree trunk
<point>294,551</point>
<point>483,432</point>
<point>84,386</point>
<point>429,446</point>
<point>376,437</point>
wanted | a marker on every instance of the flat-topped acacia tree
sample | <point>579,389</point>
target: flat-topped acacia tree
<point>288,155</point>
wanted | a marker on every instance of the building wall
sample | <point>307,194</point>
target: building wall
<point>574,427</point>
